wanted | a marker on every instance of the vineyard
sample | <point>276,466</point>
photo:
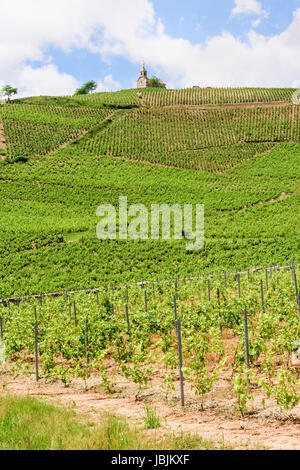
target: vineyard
<point>216,96</point>
<point>147,321</point>
<point>73,154</point>
<point>48,218</point>
<point>32,130</point>
<point>194,335</point>
<point>190,96</point>
<point>211,139</point>
<point>208,139</point>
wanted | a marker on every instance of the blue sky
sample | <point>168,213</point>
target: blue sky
<point>193,20</point>
<point>198,20</point>
<point>184,42</point>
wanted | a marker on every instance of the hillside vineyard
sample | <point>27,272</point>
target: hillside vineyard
<point>213,329</point>
<point>234,150</point>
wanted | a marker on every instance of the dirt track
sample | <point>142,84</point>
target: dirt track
<point>267,428</point>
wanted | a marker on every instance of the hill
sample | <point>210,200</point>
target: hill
<point>234,150</point>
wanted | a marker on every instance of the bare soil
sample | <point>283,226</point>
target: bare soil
<point>264,427</point>
<point>281,197</point>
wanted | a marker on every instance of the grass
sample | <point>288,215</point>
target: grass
<point>30,424</point>
<point>151,418</point>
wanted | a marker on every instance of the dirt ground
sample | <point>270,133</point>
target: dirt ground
<point>265,427</point>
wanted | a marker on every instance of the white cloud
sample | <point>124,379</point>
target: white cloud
<point>223,60</point>
<point>248,7</point>
<point>29,27</point>
<point>108,84</point>
<point>256,23</point>
<point>48,79</point>
<point>135,33</point>
<point>296,84</point>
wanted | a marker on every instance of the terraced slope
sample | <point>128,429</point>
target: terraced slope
<point>32,130</point>
<point>191,96</point>
<point>48,205</point>
<point>210,137</point>
<point>48,218</point>
<point>207,139</point>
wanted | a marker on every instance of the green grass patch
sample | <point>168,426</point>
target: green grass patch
<point>30,424</point>
<point>151,418</point>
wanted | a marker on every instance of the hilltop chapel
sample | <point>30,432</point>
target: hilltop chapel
<point>144,82</point>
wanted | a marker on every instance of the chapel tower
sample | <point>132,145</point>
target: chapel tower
<point>143,80</point>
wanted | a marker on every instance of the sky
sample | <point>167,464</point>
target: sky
<point>51,48</point>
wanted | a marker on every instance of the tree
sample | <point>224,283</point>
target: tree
<point>8,91</point>
<point>155,82</point>
<point>86,88</point>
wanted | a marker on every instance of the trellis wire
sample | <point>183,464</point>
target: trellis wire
<point>57,294</point>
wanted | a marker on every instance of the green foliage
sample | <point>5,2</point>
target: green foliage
<point>47,200</point>
<point>212,139</point>
<point>241,388</point>
<point>48,208</point>
<point>29,424</point>
<point>32,130</point>
<point>192,97</point>
<point>155,82</point>
<point>48,243</point>
<point>87,88</point>
<point>151,418</point>
<point>287,391</point>
<point>8,91</point>
<point>151,345</point>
